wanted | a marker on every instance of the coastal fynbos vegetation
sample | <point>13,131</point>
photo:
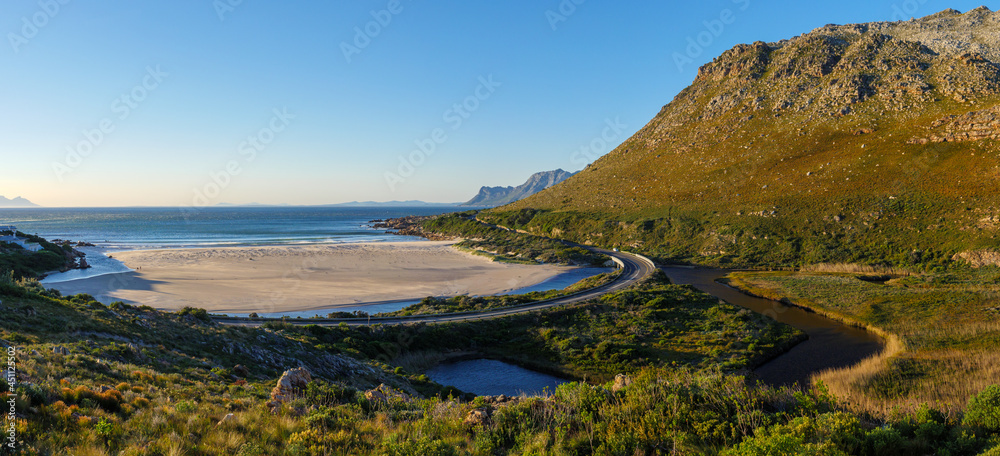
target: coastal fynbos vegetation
<point>654,324</point>
<point>504,244</point>
<point>943,328</point>
<point>120,379</point>
<point>23,263</point>
<point>665,370</point>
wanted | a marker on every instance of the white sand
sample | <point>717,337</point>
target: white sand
<point>288,279</point>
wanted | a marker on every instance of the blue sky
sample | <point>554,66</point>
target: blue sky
<point>196,102</point>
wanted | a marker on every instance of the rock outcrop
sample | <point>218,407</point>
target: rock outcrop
<point>979,258</point>
<point>478,417</point>
<point>622,381</point>
<point>973,126</point>
<point>384,394</point>
<point>292,383</point>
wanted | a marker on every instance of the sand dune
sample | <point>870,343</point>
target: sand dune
<point>287,279</point>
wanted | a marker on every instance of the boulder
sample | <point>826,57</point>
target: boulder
<point>383,394</point>
<point>622,381</point>
<point>241,371</point>
<point>477,417</point>
<point>291,383</point>
<point>979,258</point>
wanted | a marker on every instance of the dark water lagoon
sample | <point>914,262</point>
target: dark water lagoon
<point>487,377</point>
<point>831,344</point>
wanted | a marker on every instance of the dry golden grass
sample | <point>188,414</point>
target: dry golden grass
<point>941,348</point>
<point>850,383</point>
<point>853,268</point>
<point>958,376</point>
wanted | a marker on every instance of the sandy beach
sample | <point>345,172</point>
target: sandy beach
<point>289,279</point>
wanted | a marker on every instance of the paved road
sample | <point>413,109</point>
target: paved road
<point>634,268</point>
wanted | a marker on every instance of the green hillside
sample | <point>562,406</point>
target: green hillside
<point>860,143</point>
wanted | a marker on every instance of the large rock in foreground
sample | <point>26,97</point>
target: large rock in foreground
<point>292,383</point>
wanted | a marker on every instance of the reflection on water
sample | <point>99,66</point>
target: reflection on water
<point>560,281</point>
<point>831,344</point>
<point>487,377</point>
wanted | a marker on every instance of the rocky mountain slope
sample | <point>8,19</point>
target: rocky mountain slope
<point>16,202</point>
<point>866,142</point>
<point>498,196</point>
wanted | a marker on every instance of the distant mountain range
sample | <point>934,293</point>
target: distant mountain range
<point>16,202</point>
<point>498,196</point>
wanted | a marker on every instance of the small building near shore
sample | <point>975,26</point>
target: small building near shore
<point>12,238</point>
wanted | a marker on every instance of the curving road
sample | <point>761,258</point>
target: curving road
<point>634,268</point>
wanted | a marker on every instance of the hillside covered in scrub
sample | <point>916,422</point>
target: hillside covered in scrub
<point>123,380</point>
<point>852,143</point>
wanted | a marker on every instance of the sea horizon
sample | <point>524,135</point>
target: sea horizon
<point>114,229</point>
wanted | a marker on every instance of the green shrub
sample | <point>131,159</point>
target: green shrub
<point>422,447</point>
<point>984,410</point>
<point>195,312</point>
<point>186,407</point>
<point>995,451</point>
<point>831,434</point>
<point>883,442</point>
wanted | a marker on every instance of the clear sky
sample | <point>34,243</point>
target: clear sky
<point>194,102</point>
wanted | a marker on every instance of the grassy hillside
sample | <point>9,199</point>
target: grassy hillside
<point>95,380</point>
<point>92,379</point>
<point>850,143</point>
<point>944,330</point>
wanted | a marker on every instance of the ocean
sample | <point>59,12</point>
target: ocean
<point>119,229</point>
<point>158,228</point>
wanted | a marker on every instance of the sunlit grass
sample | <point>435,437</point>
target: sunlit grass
<point>942,334</point>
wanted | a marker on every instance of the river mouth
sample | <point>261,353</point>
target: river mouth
<point>489,377</point>
<point>831,344</point>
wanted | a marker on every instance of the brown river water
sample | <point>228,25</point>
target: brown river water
<point>831,344</point>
